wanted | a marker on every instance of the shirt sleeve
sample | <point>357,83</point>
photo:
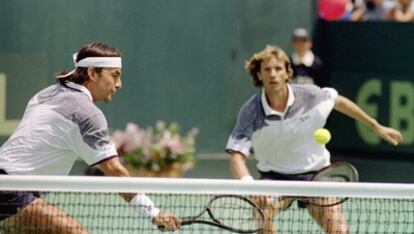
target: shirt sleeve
<point>240,139</point>
<point>91,140</point>
<point>329,95</point>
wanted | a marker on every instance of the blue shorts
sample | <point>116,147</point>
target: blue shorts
<point>11,201</point>
<point>271,175</point>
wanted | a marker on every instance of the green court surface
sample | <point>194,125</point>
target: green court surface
<point>108,213</point>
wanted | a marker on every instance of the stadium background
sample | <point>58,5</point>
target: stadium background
<point>183,61</point>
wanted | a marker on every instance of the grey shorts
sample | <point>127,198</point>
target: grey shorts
<point>11,201</point>
<point>271,175</point>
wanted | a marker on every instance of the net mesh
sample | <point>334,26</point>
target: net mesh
<point>104,211</point>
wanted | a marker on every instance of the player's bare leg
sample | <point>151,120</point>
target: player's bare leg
<point>330,218</point>
<point>42,217</point>
<point>270,209</point>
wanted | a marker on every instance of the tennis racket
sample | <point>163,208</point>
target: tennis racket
<point>336,172</point>
<point>230,212</point>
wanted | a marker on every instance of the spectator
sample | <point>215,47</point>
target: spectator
<point>403,11</point>
<point>307,67</point>
<point>349,11</point>
<point>371,10</point>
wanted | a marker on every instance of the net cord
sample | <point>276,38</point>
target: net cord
<point>203,186</point>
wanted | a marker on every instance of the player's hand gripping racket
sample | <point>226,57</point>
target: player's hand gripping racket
<point>231,212</point>
<point>336,172</point>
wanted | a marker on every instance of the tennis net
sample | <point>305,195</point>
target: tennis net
<point>94,202</point>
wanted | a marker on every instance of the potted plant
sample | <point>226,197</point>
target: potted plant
<point>160,151</point>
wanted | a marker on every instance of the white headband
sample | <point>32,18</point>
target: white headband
<point>115,62</point>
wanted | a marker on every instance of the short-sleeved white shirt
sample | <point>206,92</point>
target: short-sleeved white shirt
<point>283,142</point>
<point>60,124</point>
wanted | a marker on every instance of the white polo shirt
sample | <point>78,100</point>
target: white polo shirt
<point>59,125</point>
<point>283,142</point>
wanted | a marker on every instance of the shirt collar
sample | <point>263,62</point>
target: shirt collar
<point>270,111</point>
<point>307,60</point>
<point>80,88</point>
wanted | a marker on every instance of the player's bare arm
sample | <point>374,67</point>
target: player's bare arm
<point>349,108</point>
<point>113,167</point>
<point>238,166</point>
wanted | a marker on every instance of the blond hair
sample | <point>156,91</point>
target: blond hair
<point>253,65</point>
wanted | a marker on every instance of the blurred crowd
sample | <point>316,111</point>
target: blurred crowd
<point>367,10</point>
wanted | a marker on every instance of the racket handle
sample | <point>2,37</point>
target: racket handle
<point>184,221</point>
<point>187,220</point>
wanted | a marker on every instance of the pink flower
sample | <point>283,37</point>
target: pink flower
<point>156,147</point>
<point>135,136</point>
<point>176,145</point>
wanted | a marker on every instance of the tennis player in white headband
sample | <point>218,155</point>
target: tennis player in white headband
<point>60,124</point>
<point>101,62</point>
<point>99,72</point>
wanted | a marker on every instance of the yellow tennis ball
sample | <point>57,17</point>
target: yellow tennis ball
<point>322,136</point>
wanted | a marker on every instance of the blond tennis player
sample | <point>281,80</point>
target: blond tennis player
<point>278,124</point>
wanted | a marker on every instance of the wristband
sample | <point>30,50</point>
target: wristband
<point>145,205</point>
<point>247,178</point>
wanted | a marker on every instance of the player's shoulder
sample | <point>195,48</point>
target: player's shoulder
<point>251,105</point>
<point>70,103</point>
<point>305,89</point>
<point>310,91</point>
<point>80,104</point>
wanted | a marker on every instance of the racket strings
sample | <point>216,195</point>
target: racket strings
<point>236,213</point>
<point>337,172</point>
